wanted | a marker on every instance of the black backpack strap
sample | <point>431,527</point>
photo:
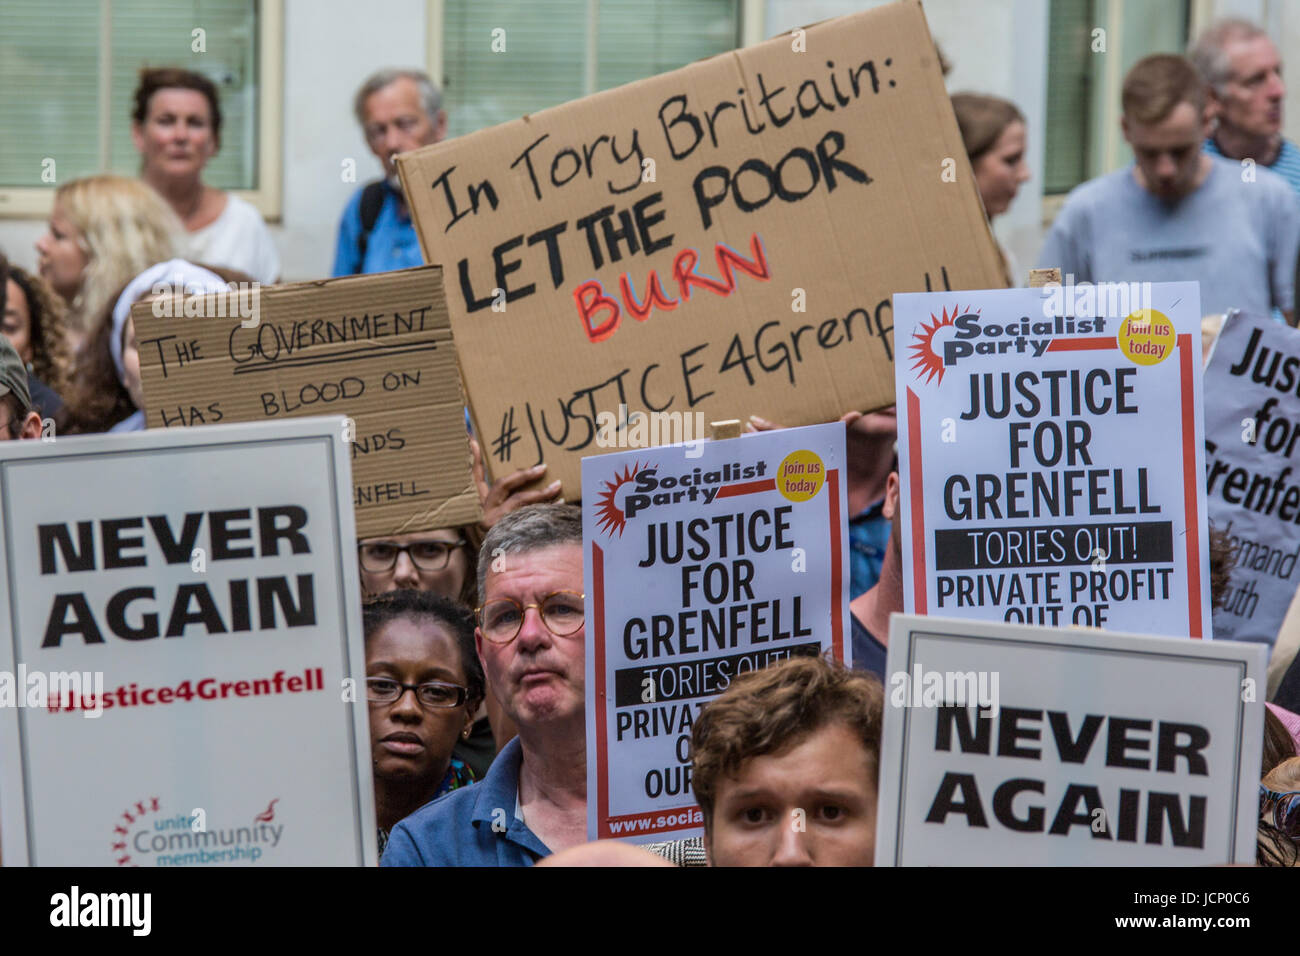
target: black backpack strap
<point>372,200</point>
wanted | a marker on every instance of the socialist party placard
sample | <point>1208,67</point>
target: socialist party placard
<point>1252,426</point>
<point>183,650</point>
<point>1008,745</point>
<point>1052,458</point>
<point>702,562</point>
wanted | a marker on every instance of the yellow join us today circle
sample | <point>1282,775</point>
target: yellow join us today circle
<point>1147,337</point>
<point>800,475</point>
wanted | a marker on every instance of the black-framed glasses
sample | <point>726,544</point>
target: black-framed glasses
<point>434,693</point>
<point>562,612</point>
<point>1286,809</point>
<point>380,556</point>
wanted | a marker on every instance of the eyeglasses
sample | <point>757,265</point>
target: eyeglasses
<point>380,556</point>
<point>502,618</point>
<point>1286,809</point>
<point>385,690</point>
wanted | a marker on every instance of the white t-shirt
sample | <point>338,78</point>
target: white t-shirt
<point>237,239</point>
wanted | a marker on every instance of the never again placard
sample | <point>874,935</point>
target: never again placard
<point>722,239</point>
<point>1052,456</point>
<point>1008,745</point>
<point>702,562</point>
<point>1252,425</point>
<point>377,349</point>
<point>184,606</point>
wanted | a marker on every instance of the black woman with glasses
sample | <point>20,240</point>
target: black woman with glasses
<point>424,683</point>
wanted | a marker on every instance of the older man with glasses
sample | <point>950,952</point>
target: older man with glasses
<point>530,638</point>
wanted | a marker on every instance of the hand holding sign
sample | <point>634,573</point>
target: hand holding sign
<point>510,491</point>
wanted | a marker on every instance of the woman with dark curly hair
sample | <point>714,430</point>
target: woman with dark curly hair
<point>102,231</point>
<point>423,643</point>
<point>34,324</point>
<point>106,394</point>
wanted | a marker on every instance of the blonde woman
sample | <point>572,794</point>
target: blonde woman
<point>103,231</point>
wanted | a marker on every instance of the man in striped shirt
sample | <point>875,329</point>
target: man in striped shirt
<point>1242,68</point>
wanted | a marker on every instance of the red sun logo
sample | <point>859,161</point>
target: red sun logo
<point>609,516</point>
<point>928,362</point>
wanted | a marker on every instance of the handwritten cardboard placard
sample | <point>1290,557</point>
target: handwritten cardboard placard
<point>721,239</point>
<point>377,349</point>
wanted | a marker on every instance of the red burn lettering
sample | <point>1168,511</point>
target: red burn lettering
<point>592,301</point>
<point>654,295</point>
<point>591,298</point>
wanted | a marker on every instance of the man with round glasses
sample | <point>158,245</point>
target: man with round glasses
<point>531,641</point>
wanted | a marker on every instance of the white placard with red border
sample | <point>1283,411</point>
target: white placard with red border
<point>197,590</point>
<point>1052,456</point>
<point>702,561</point>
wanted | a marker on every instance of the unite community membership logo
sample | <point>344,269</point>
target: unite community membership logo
<point>145,834</point>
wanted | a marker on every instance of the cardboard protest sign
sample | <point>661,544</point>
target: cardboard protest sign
<point>1251,429</point>
<point>703,561</point>
<point>1008,745</point>
<point>723,239</point>
<point>1052,456</point>
<point>183,620</point>
<point>377,349</point>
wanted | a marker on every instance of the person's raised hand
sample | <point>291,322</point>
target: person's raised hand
<point>508,492</point>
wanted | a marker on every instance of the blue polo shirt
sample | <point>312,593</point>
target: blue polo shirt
<point>458,829</point>
<point>392,245</point>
